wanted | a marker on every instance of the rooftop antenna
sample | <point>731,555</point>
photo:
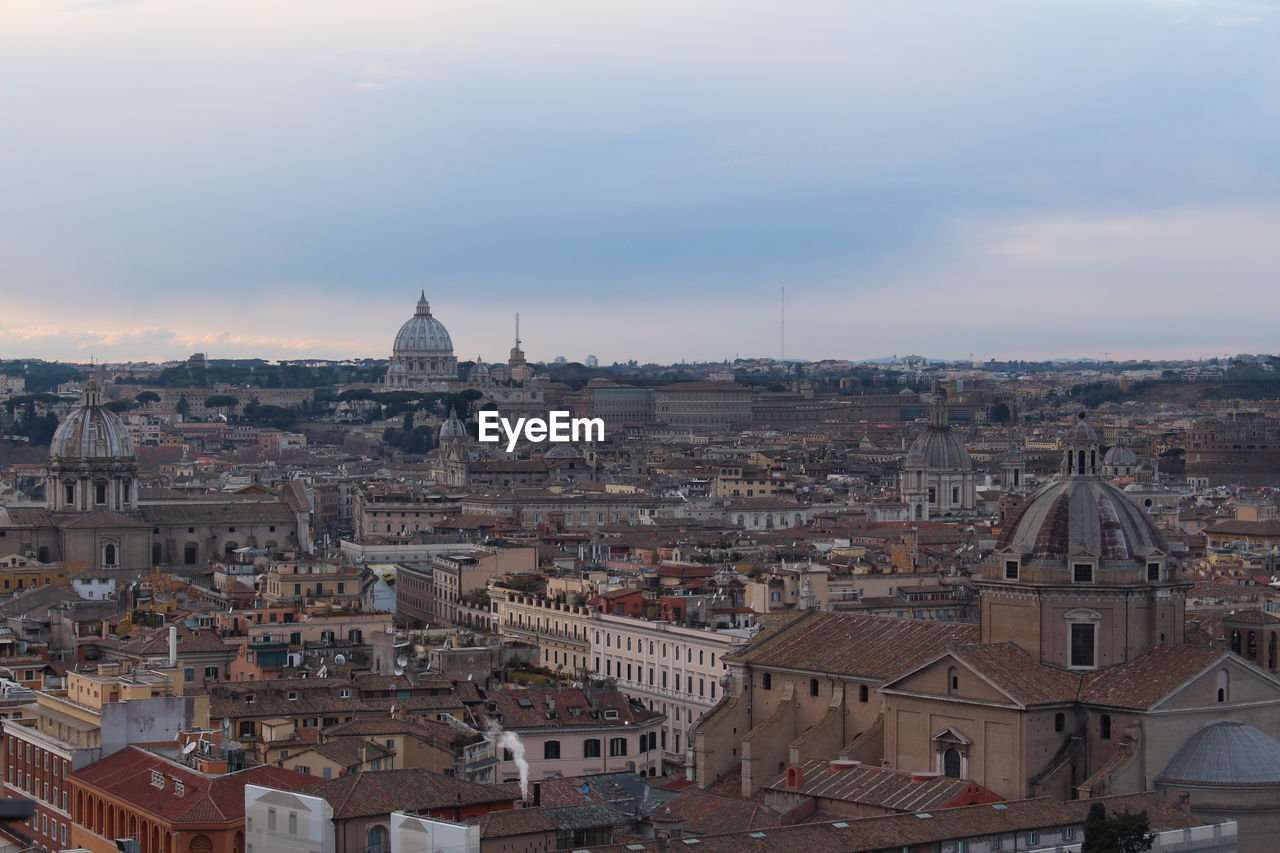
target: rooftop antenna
<point>517,330</point>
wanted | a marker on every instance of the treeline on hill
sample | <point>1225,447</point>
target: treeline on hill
<point>262,374</point>
<point>1171,389</point>
<point>41,376</point>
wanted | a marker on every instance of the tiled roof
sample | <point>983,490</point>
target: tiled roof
<point>893,832</point>
<point>869,646</point>
<point>352,751</point>
<point>190,640</point>
<point>126,775</point>
<point>709,814</point>
<point>222,512</point>
<point>1019,675</point>
<point>1151,676</point>
<point>384,791</point>
<point>511,822</point>
<point>870,785</point>
<point>530,708</point>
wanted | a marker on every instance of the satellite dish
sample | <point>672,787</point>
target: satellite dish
<point>189,748</point>
<point>403,660</point>
<point>398,671</point>
<point>339,659</point>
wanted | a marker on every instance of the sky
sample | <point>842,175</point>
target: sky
<point>640,180</point>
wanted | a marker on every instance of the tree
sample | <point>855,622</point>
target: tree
<point>221,401</point>
<point>1119,832</point>
<point>147,397</point>
<point>182,406</point>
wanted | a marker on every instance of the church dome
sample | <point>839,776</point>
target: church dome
<point>565,451</point>
<point>939,448</point>
<point>453,427</point>
<point>1227,752</point>
<point>1081,432</point>
<point>1120,457</point>
<point>423,334</point>
<point>479,370</point>
<point>1076,514</point>
<point>91,431</point>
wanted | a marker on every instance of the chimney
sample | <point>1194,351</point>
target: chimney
<point>173,646</point>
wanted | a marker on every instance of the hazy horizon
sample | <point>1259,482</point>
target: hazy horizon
<point>1066,179</point>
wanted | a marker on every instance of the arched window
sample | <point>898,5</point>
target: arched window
<point>864,693</point>
<point>953,681</point>
<point>1224,684</point>
<point>201,844</point>
<point>1235,642</point>
<point>109,554</point>
<point>951,763</point>
<point>1251,647</point>
<point>1104,727</point>
<point>377,840</point>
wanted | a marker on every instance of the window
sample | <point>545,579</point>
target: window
<point>378,840</point>
<point>813,687</point>
<point>591,748</point>
<point>210,672</point>
<point>864,693</point>
<point>766,681</point>
<point>1153,571</point>
<point>157,779</point>
<point>1083,635</point>
<point>1104,727</point>
<point>1224,682</point>
<point>1033,838</point>
<point>293,823</point>
<point>953,681</point>
<point>1011,570</point>
<point>551,749</point>
<point>1059,721</point>
<point>617,746</point>
<point>100,493</point>
<point>271,819</point>
<point>951,763</point>
<point>1069,833</point>
<point>1082,573</point>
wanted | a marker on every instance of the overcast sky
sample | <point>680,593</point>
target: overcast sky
<point>640,178</point>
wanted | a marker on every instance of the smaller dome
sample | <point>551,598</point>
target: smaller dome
<point>1081,432</point>
<point>565,451</point>
<point>91,431</point>
<point>479,369</point>
<point>939,449</point>
<point>453,427</point>
<point>1227,752</point>
<point>1120,457</point>
<point>396,368</point>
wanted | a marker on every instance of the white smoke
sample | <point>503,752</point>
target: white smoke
<point>510,740</point>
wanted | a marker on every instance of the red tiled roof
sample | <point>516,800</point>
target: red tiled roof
<point>384,791</point>
<point>1016,673</point>
<point>1147,679</point>
<point>869,646</point>
<point>126,775</point>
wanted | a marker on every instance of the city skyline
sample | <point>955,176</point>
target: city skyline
<point>640,182</point>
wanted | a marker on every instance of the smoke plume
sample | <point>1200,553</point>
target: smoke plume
<point>510,740</point>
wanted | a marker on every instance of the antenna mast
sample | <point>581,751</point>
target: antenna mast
<point>782,323</point>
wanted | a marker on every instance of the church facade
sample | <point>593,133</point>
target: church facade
<point>1077,683</point>
<point>95,518</point>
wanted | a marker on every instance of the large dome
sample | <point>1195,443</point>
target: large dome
<point>1227,752</point>
<point>423,334</point>
<point>91,431</point>
<point>1077,514</point>
<point>939,448</point>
